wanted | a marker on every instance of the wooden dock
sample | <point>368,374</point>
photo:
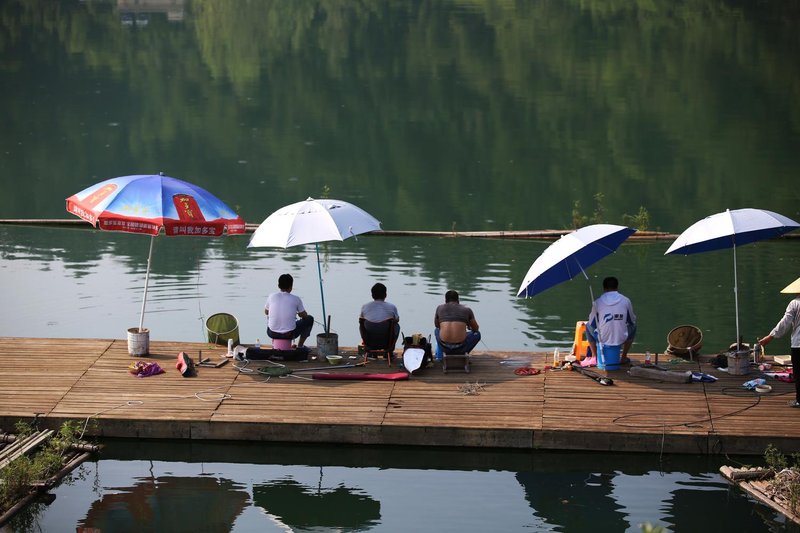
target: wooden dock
<point>88,380</point>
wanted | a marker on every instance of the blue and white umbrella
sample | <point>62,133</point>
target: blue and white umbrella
<point>571,255</point>
<point>729,230</point>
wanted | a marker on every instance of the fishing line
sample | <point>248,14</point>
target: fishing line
<point>486,345</point>
<point>202,317</point>
<point>686,424</point>
<point>243,369</point>
<point>218,396</point>
<point>126,404</point>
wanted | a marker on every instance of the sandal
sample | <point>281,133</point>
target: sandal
<point>185,365</point>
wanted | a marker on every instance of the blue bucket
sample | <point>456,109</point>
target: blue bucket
<point>609,357</point>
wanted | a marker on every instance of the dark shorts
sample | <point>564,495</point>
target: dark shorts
<point>302,329</point>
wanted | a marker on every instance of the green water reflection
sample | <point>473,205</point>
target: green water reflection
<point>257,487</point>
<point>486,115</point>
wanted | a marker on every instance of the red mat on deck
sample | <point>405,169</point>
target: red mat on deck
<point>363,377</point>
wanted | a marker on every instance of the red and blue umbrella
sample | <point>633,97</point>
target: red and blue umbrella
<point>151,204</point>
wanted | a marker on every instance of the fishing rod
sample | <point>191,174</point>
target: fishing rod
<point>602,380</point>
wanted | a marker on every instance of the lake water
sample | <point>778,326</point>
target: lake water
<point>177,486</point>
<point>431,116</point>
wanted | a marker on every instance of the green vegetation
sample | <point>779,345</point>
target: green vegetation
<point>786,482</point>
<point>580,220</point>
<point>639,221</point>
<point>18,476</point>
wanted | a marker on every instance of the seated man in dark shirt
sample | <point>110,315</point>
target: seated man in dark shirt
<point>456,328</point>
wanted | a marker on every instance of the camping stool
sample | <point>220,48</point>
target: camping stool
<point>378,339</point>
<point>580,346</point>
<point>222,326</point>
<point>282,344</point>
<point>461,359</point>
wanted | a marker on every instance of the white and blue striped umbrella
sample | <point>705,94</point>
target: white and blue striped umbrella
<point>571,255</point>
<point>729,230</point>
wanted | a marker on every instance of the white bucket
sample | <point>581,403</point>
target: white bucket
<point>738,363</point>
<point>138,341</point>
<point>328,344</point>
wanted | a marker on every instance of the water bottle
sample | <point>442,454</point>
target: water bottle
<point>647,357</point>
<point>230,347</point>
<point>258,344</point>
<point>556,358</point>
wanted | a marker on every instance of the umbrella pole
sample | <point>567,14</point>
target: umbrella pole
<point>736,297</point>
<point>321,292</point>
<point>591,292</point>
<point>146,280</point>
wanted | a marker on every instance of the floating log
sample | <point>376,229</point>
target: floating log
<point>741,474</point>
<point>37,489</point>
<point>535,235</point>
<point>541,235</point>
<point>756,489</point>
<point>19,448</point>
<point>81,452</point>
<point>80,446</point>
<point>661,375</point>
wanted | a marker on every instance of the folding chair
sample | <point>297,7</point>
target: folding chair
<point>378,338</point>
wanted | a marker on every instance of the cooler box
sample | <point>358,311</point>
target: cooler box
<point>609,356</point>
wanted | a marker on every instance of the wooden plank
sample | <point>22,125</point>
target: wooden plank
<point>89,379</point>
<point>757,489</point>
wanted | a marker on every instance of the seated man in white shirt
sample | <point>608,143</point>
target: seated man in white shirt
<point>282,308</point>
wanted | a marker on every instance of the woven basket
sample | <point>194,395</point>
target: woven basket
<point>684,338</point>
